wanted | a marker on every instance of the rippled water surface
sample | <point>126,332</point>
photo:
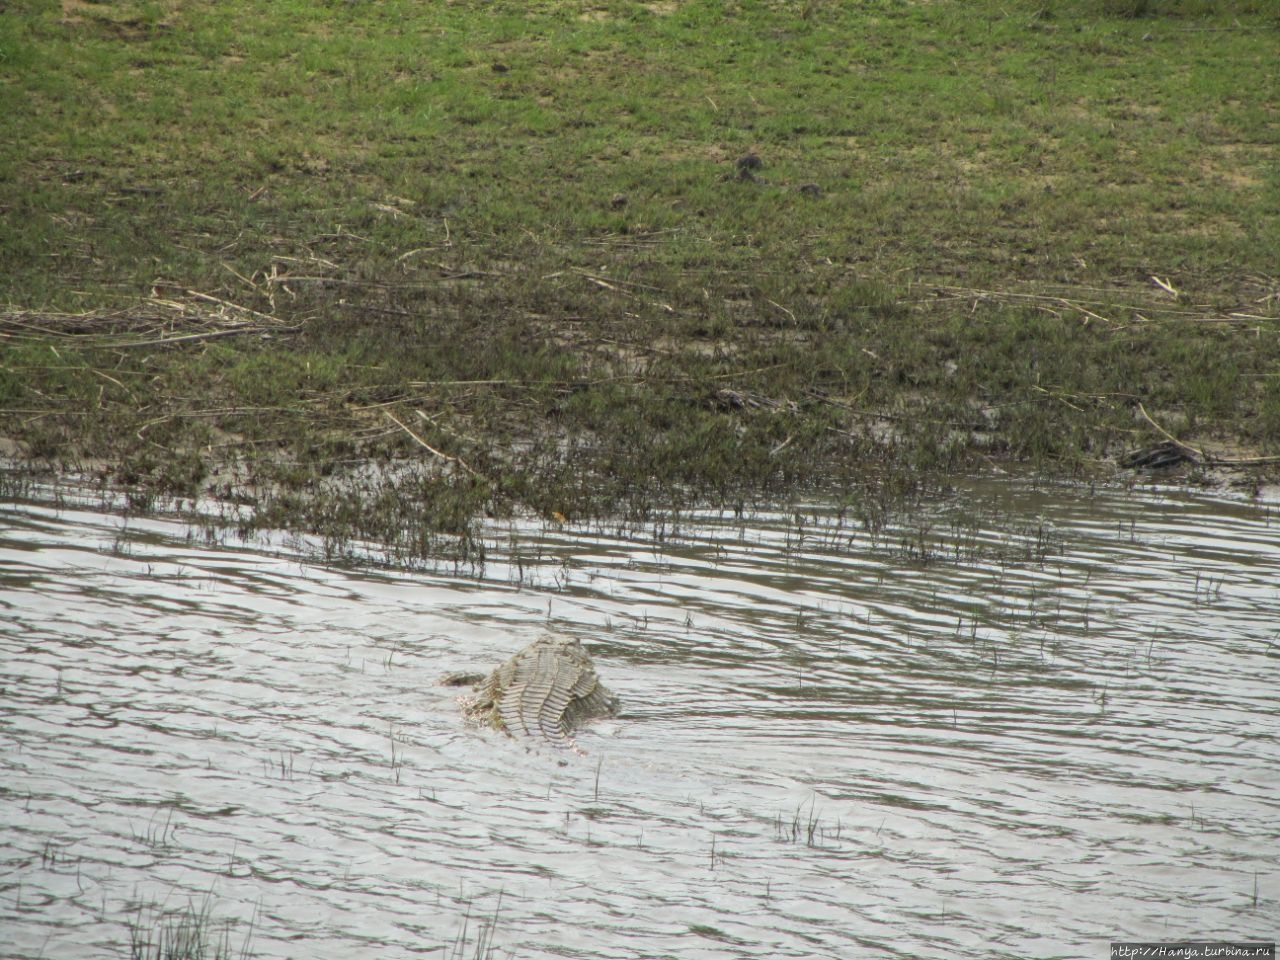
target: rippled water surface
<point>1027,723</point>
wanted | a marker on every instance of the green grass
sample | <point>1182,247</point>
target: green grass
<point>517,228</point>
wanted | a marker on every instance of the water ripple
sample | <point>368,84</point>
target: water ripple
<point>1026,722</point>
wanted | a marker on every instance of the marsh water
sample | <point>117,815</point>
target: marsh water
<point>1023,722</point>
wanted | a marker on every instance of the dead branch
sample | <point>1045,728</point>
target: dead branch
<point>1169,436</point>
<point>188,337</point>
<point>121,329</point>
<point>426,446</point>
<point>208,298</point>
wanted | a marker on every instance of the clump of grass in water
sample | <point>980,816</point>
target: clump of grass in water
<point>806,827</point>
<point>159,833</point>
<point>483,948</point>
<point>190,933</point>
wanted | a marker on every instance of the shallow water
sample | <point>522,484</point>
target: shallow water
<point>1032,721</point>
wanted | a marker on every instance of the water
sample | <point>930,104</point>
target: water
<point>1026,723</point>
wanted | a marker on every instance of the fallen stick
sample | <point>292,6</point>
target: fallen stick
<point>1213,461</point>
<point>426,446</point>
<point>1169,436</point>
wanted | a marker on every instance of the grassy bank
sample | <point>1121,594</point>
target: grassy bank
<point>511,251</point>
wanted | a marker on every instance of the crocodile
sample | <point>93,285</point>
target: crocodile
<point>542,692</point>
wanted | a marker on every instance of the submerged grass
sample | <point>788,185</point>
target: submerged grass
<point>188,933</point>
<point>483,947</point>
<point>384,269</point>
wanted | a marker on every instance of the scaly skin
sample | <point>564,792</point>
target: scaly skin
<point>542,692</point>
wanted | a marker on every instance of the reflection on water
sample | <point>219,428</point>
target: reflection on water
<point>1031,722</point>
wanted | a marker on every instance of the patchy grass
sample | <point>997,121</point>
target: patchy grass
<point>505,251</point>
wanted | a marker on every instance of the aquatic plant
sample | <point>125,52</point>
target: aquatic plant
<point>187,933</point>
